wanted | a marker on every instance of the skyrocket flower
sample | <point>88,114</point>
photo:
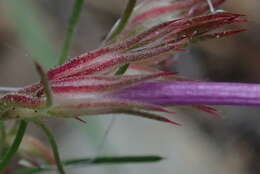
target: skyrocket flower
<point>151,12</point>
<point>87,85</point>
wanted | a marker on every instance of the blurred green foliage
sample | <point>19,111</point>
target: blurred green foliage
<point>32,31</point>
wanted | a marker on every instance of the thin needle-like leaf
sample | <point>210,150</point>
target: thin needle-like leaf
<point>113,160</point>
<point>73,21</point>
<point>119,28</point>
<point>14,147</point>
<point>53,144</point>
<point>122,69</point>
<point>120,25</point>
<point>83,162</point>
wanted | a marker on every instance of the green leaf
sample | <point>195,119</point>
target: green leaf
<point>120,25</point>
<point>97,161</point>
<point>122,69</point>
<point>14,147</point>
<point>113,160</point>
<point>73,21</point>
<point>53,144</point>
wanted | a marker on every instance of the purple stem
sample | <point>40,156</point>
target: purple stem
<point>188,93</point>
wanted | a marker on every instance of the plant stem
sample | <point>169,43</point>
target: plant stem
<point>123,20</point>
<point>13,149</point>
<point>53,144</point>
<point>73,21</point>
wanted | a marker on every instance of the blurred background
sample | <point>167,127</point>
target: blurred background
<point>230,145</point>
